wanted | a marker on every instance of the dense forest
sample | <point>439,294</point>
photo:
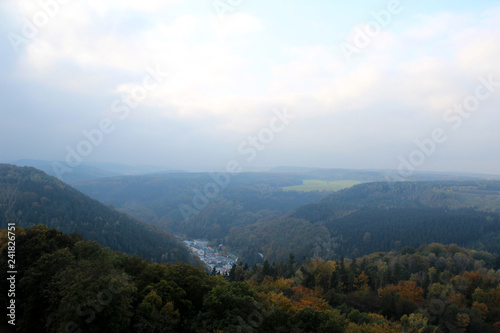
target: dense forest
<point>254,216</point>
<point>374,217</point>
<point>380,216</point>
<point>238,200</point>
<point>382,267</point>
<point>158,199</point>
<point>29,197</point>
<point>67,284</point>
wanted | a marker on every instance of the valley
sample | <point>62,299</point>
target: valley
<point>316,251</point>
<point>217,262</point>
<point>326,213</point>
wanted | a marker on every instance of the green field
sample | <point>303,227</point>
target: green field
<point>322,185</point>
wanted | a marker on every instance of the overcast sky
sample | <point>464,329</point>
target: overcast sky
<point>358,92</point>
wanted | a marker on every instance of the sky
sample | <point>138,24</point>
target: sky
<point>407,85</point>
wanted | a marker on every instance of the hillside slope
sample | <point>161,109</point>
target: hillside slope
<point>381,216</point>
<point>375,217</point>
<point>30,197</point>
<point>243,199</point>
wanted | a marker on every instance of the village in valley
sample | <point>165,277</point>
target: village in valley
<point>221,263</point>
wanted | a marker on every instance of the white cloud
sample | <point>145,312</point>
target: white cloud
<point>104,6</point>
<point>437,25</point>
<point>235,24</point>
<point>219,87</point>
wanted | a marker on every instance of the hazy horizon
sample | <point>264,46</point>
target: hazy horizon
<point>364,85</point>
<point>145,169</point>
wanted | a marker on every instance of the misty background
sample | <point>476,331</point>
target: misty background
<point>230,71</point>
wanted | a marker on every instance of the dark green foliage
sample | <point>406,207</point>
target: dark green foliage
<point>276,239</point>
<point>310,320</point>
<point>357,317</point>
<point>67,284</point>
<point>375,217</point>
<point>227,306</point>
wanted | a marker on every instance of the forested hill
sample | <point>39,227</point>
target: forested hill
<point>241,199</point>
<point>255,216</point>
<point>170,200</point>
<point>381,216</point>
<point>69,285</point>
<point>30,197</point>
<point>450,194</point>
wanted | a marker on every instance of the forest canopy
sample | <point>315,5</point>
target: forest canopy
<point>67,284</point>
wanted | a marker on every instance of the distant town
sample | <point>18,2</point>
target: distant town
<point>210,256</point>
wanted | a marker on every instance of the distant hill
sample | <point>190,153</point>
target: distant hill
<point>157,199</point>
<point>83,171</point>
<point>30,197</point>
<point>254,212</point>
<point>91,170</point>
<point>378,216</point>
<point>376,175</point>
<point>381,216</point>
